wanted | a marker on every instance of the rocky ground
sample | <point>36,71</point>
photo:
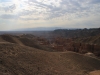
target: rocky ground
<point>19,58</point>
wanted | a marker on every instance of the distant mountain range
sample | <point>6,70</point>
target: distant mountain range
<point>39,29</point>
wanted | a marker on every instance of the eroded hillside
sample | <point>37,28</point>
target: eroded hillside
<point>31,55</point>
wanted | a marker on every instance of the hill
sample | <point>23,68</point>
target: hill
<point>89,39</point>
<point>21,58</point>
<point>77,32</point>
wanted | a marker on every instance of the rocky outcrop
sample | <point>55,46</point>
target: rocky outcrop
<point>62,44</point>
<point>56,44</point>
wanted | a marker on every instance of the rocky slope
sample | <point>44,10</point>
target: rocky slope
<point>17,58</point>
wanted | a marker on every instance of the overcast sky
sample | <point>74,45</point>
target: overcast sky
<point>17,14</point>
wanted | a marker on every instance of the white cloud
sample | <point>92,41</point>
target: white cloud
<point>58,12</point>
<point>10,8</point>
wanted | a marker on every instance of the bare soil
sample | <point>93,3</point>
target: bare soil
<point>19,59</point>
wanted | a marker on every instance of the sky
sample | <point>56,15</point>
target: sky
<point>17,14</point>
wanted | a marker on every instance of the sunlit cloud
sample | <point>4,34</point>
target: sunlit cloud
<point>62,13</point>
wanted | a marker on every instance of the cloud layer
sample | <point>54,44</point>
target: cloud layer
<point>46,11</point>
